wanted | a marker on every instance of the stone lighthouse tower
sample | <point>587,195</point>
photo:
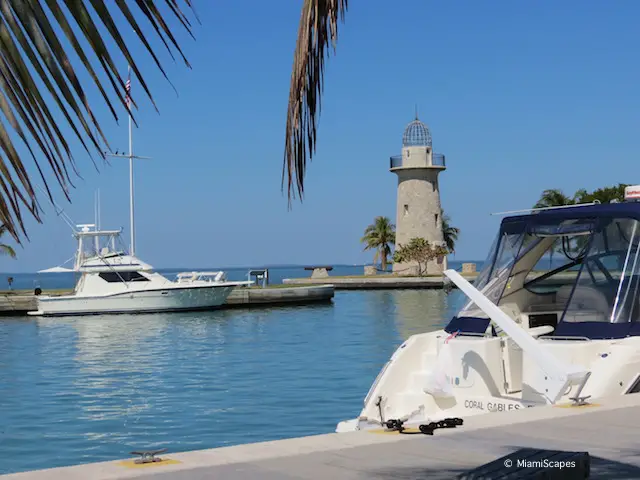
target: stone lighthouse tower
<point>419,213</point>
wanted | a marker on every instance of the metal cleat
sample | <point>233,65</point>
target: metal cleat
<point>579,401</point>
<point>148,456</point>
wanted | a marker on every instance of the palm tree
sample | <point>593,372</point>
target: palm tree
<point>603,195</point>
<point>42,99</point>
<point>450,234</point>
<point>6,249</point>
<point>554,197</point>
<point>379,236</point>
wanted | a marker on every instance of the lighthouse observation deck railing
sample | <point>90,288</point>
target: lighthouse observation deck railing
<point>437,160</point>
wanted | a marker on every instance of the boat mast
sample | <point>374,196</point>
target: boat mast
<point>96,208</point>
<point>132,226</point>
<point>131,157</point>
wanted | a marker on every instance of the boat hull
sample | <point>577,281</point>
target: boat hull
<point>424,381</point>
<point>146,301</point>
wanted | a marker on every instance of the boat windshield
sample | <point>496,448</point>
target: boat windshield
<point>504,252</point>
<point>98,245</point>
<point>530,260</point>
<point>608,281</point>
<point>587,270</point>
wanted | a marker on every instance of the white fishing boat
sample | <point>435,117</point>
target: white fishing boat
<point>112,281</point>
<point>531,333</point>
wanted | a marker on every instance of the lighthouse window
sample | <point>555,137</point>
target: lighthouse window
<point>406,209</point>
<point>436,215</point>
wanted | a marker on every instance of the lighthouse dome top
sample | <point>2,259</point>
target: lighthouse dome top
<point>416,134</point>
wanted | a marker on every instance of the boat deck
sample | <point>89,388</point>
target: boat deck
<point>607,430</point>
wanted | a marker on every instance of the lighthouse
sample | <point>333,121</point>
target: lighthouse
<point>419,213</point>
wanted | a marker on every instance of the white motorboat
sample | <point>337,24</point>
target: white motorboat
<point>112,281</point>
<point>531,333</point>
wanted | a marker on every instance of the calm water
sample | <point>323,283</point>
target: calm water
<point>28,281</point>
<point>89,389</point>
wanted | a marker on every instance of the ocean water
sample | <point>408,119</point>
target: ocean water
<point>88,389</point>
<point>46,281</point>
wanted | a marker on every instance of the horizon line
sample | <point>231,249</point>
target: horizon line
<point>265,266</point>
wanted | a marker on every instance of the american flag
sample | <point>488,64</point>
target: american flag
<point>127,89</point>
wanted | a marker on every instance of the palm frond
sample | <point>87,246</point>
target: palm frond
<point>41,94</point>
<point>553,197</point>
<point>317,30</point>
<point>450,233</point>
<point>7,250</point>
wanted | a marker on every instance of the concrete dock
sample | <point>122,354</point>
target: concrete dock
<point>607,429</point>
<point>376,282</point>
<point>19,303</point>
<point>280,295</point>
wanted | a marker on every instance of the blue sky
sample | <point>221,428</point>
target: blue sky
<point>519,96</point>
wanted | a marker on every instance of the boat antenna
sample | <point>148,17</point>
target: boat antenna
<point>527,210</point>
<point>131,157</point>
<point>97,209</point>
<point>59,211</point>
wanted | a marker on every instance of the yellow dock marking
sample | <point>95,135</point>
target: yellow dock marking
<point>394,432</point>
<point>571,405</point>
<point>132,464</point>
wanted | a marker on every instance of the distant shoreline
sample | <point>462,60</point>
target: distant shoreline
<point>247,268</point>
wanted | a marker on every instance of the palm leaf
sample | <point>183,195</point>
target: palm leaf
<point>553,197</point>
<point>46,52</point>
<point>6,249</point>
<point>450,233</point>
<point>318,28</point>
<point>41,94</point>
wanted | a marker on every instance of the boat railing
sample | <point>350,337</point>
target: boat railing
<point>190,277</point>
<point>375,382</point>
